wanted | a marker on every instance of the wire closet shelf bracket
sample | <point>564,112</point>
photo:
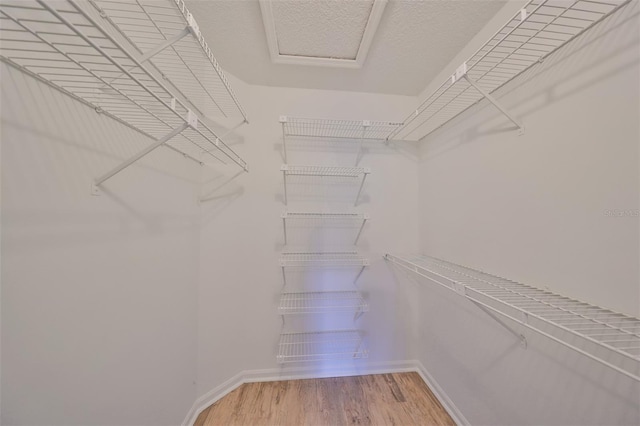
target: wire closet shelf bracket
<point>94,52</point>
<point>608,337</point>
<point>535,32</point>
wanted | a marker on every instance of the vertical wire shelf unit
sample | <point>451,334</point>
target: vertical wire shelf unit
<point>539,29</point>
<point>105,55</point>
<point>321,346</point>
<point>608,337</point>
<point>325,345</point>
<point>289,171</point>
<point>358,220</point>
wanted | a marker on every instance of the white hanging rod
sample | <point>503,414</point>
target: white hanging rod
<point>324,171</point>
<point>68,48</point>
<point>323,345</point>
<point>477,286</point>
<point>535,32</point>
<point>356,217</point>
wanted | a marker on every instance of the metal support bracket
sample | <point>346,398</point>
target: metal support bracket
<point>159,142</point>
<point>364,221</point>
<point>284,226</point>
<point>365,124</point>
<point>283,120</point>
<point>495,103</point>
<point>364,177</point>
<point>520,337</point>
<point>168,42</point>
<point>365,263</point>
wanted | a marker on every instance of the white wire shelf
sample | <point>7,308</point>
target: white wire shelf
<point>323,259</point>
<point>357,219</point>
<point>324,171</point>
<point>344,129</point>
<point>336,129</point>
<point>318,346</point>
<point>608,337</point>
<point>535,32</point>
<point>187,63</point>
<point>331,171</point>
<point>322,302</point>
<point>75,50</point>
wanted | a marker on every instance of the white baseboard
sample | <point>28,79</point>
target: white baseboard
<point>442,396</point>
<point>297,373</point>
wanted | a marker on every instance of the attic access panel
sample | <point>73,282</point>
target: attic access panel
<point>320,32</point>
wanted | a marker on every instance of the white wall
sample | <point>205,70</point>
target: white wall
<point>98,293</point>
<point>533,208</point>
<point>242,236</point>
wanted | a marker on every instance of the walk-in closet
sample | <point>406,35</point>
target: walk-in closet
<point>322,212</point>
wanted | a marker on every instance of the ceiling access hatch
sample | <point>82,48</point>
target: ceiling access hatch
<point>320,32</point>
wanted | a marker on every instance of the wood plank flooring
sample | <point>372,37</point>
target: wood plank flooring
<point>381,399</point>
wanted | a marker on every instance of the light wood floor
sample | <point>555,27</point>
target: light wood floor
<point>384,399</point>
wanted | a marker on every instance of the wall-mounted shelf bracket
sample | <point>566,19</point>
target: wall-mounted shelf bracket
<point>365,125</point>
<point>167,43</point>
<point>192,121</point>
<point>461,73</point>
<point>519,336</point>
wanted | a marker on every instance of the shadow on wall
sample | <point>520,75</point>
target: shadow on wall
<point>551,81</point>
<point>63,146</point>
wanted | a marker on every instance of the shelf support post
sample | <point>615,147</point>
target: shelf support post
<point>284,226</point>
<point>364,265</point>
<point>283,120</point>
<point>364,220</point>
<point>365,124</point>
<point>284,177</point>
<point>495,103</point>
<point>159,142</point>
<point>168,42</point>
<point>364,176</point>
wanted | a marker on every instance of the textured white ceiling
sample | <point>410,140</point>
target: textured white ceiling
<point>414,41</point>
<point>320,28</point>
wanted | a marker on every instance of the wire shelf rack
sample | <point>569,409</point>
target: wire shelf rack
<point>324,345</point>
<point>608,337</point>
<point>331,171</point>
<point>345,129</point>
<point>322,302</point>
<point>357,219</point>
<point>323,259</point>
<point>187,63</point>
<point>336,129</point>
<point>69,46</point>
<point>535,32</point>
<point>324,171</point>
